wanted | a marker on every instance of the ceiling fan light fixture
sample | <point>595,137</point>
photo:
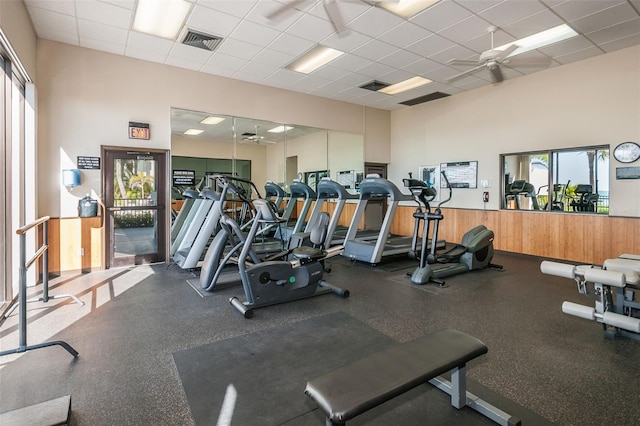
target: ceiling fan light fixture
<point>314,59</point>
<point>161,18</point>
<point>407,8</point>
<point>405,85</point>
<point>541,39</point>
<point>212,120</point>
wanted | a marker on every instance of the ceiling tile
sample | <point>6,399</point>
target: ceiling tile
<point>477,6</point>
<point>273,15</point>
<point>578,55</point>
<point>47,22</point>
<point>430,45</point>
<point>211,21</point>
<point>423,67</point>
<point>621,43</point>
<point>140,41</point>
<point>311,28</point>
<point>455,52</point>
<point>291,44</point>
<point>374,22</point>
<point>604,18</point>
<point>350,62</point>
<point>330,72</point>
<point>562,48</point>
<point>102,45</point>
<point>400,59</point>
<point>440,16</point>
<point>374,50</point>
<point>102,32</point>
<point>465,30</point>
<point>274,58</point>
<point>105,13</point>
<point>510,11</point>
<point>221,60</point>
<point>59,6</point>
<point>145,54</point>
<point>375,69</point>
<point>573,10</point>
<point>190,53</point>
<point>255,34</point>
<point>238,48</point>
<point>232,7</point>
<point>615,32</point>
<point>405,34</point>
<point>283,77</point>
<point>531,25</point>
<point>346,42</point>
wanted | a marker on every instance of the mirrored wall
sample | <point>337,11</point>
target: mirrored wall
<point>203,144</point>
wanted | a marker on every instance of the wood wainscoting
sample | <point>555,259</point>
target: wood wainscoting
<point>75,245</point>
<point>587,238</point>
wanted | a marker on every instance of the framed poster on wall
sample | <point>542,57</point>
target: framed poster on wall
<point>463,174</point>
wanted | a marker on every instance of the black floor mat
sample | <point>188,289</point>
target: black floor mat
<point>259,378</point>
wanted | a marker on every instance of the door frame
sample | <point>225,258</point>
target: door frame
<point>164,194</point>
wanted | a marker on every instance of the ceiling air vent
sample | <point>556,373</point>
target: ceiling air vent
<point>426,98</point>
<point>201,40</point>
<point>374,85</point>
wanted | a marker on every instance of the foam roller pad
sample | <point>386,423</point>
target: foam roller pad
<point>577,310</point>
<point>613,278</point>
<point>622,321</point>
<point>559,269</point>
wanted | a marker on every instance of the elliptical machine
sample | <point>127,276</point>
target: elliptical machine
<point>474,252</point>
<point>272,282</point>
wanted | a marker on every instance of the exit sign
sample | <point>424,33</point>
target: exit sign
<point>138,130</point>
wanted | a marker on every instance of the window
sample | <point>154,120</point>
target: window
<point>567,180</point>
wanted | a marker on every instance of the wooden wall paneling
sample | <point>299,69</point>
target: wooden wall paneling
<point>625,237</point>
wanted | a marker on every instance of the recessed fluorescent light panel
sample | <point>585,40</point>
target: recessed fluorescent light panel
<point>193,132</point>
<point>161,18</point>
<point>280,129</point>
<point>403,86</point>
<point>541,39</point>
<point>211,120</point>
<point>314,59</point>
<point>407,8</point>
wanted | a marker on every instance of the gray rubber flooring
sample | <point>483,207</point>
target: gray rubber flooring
<point>134,320</point>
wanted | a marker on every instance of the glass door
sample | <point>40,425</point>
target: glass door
<point>135,202</point>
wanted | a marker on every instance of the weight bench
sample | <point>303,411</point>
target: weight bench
<point>349,391</point>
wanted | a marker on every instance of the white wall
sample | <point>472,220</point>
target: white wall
<point>591,102</point>
<point>87,98</point>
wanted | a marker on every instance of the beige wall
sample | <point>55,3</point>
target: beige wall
<point>87,98</point>
<point>591,102</point>
<point>16,26</point>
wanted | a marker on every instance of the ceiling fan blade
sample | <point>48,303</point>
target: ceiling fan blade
<point>462,62</point>
<point>528,62</point>
<point>331,6</point>
<point>465,74</point>
<point>496,73</point>
<point>284,10</point>
<point>506,52</point>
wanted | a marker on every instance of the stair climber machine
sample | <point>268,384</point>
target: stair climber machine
<point>272,282</point>
<point>474,252</point>
<point>423,194</point>
<point>275,193</point>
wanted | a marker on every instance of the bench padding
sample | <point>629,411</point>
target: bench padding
<point>355,388</point>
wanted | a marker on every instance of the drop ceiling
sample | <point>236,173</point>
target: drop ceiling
<point>379,45</point>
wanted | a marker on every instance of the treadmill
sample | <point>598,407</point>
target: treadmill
<point>298,190</point>
<point>372,251</point>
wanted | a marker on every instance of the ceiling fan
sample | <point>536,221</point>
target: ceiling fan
<point>493,59</point>
<point>330,6</point>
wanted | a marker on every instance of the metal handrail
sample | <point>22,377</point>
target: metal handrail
<point>43,251</point>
